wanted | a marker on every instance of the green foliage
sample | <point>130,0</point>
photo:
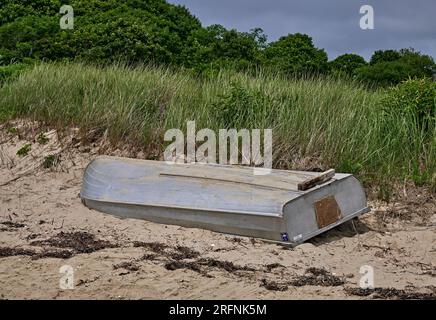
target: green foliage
<point>353,167</point>
<point>385,73</point>
<point>295,53</point>
<point>13,131</point>
<point>104,31</point>
<point>347,64</point>
<point>42,139</point>
<point>422,64</point>
<point>49,161</point>
<point>24,150</point>
<point>10,10</point>
<point>384,191</point>
<point>28,37</point>
<point>134,31</point>
<point>389,68</point>
<point>337,122</point>
<point>380,56</point>
<point>414,98</point>
<point>214,48</point>
<point>408,125</point>
<point>240,106</point>
<point>377,134</point>
<point>11,71</point>
<point>420,178</point>
<point>156,32</point>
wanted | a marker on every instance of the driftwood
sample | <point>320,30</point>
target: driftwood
<point>313,181</point>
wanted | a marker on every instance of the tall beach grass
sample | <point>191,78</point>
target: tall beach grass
<point>334,123</point>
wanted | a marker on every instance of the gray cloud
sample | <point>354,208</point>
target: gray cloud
<point>333,24</point>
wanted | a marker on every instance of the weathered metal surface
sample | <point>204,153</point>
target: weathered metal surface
<point>327,211</point>
<point>221,198</point>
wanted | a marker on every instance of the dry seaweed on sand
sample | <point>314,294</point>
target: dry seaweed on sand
<point>271,266</point>
<point>127,265</point>
<point>156,247</point>
<point>392,293</point>
<point>226,265</point>
<point>181,253</point>
<point>79,241</point>
<point>273,286</point>
<point>59,254</point>
<point>12,224</point>
<point>176,253</point>
<point>10,252</point>
<point>175,265</point>
<point>317,277</point>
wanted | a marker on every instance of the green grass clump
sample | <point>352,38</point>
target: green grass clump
<point>24,150</point>
<point>13,131</point>
<point>339,123</point>
<point>42,139</point>
<point>49,161</point>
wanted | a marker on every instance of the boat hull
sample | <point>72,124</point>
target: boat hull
<point>222,198</point>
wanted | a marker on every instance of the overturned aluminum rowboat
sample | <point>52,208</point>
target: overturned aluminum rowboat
<point>285,206</point>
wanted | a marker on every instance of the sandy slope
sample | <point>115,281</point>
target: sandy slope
<point>398,240</point>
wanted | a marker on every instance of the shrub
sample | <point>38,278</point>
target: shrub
<point>409,126</point>
<point>392,67</point>
<point>413,97</point>
<point>11,71</point>
<point>240,106</point>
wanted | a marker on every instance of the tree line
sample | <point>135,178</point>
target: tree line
<point>154,31</point>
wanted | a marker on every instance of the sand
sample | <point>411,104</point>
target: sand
<point>44,226</point>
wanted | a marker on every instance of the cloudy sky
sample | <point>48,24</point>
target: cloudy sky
<point>333,24</point>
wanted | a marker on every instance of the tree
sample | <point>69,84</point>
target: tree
<point>10,10</point>
<point>144,31</point>
<point>385,73</point>
<point>215,47</point>
<point>421,64</point>
<point>295,53</point>
<point>389,70</point>
<point>347,64</point>
<point>104,31</point>
<point>384,56</point>
<point>27,37</point>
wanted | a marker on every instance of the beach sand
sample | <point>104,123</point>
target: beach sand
<point>44,226</point>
